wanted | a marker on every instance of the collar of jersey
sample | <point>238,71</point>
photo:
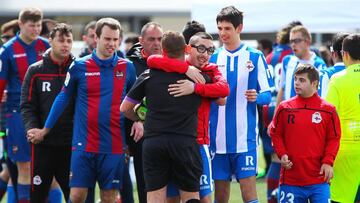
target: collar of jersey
<point>339,64</point>
<point>315,96</point>
<point>23,43</point>
<point>353,66</point>
<point>105,63</point>
<point>235,50</point>
<point>310,61</point>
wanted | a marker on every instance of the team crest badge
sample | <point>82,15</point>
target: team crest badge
<point>119,74</point>
<point>40,53</point>
<point>249,66</point>
<point>316,117</point>
<point>15,149</point>
<point>37,180</point>
<point>67,79</point>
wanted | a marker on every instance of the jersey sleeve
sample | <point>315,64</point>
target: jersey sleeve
<point>131,76</point>
<point>332,139</point>
<point>283,72</point>
<point>277,132</point>
<point>217,88</point>
<point>263,98</point>
<point>167,64</point>
<point>323,83</point>
<point>137,92</point>
<point>63,97</point>
<point>29,102</point>
<point>4,69</point>
<point>265,78</point>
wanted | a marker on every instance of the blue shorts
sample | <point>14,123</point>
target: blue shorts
<point>206,182</point>
<point>18,146</point>
<point>318,193</point>
<point>89,167</point>
<point>242,165</point>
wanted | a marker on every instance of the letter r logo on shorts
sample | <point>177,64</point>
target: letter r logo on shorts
<point>203,180</point>
<point>46,87</point>
<point>249,160</point>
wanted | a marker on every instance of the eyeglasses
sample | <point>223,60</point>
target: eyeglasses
<point>296,41</point>
<point>5,37</point>
<point>202,49</point>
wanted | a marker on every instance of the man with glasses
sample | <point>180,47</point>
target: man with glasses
<point>9,30</point>
<point>300,41</point>
<point>199,50</point>
<point>344,93</point>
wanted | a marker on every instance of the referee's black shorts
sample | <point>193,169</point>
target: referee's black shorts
<point>172,158</point>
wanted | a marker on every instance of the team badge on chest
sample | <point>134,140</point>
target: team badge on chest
<point>316,118</point>
<point>249,65</point>
<point>119,74</point>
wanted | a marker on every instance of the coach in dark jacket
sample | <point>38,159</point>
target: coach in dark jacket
<point>149,44</point>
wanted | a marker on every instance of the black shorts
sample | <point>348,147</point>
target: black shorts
<point>48,162</point>
<point>172,158</point>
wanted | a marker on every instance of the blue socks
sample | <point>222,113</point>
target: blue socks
<point>10,194</point>
<point>55,195</point>
<point>24,192</point>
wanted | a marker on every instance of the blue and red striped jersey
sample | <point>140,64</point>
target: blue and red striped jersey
<point>99,87</point>
<point>277,55</point>
<point>15,58</point>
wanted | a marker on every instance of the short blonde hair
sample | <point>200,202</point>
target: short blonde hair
<point>303,30</point>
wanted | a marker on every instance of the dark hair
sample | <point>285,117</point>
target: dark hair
<point>11,25</point>
<point>284,34</point>
<point>191,28</point>
<point>62,29</point>
<point>173,43</point>
<point>200,35</point>
<point>311,71</point>
<point>294,23</point>
<point>30,14</point>
<point>134,38</point>
<point>46,26</point>
<point>337,43</point>
<point>351,44</point>
<point>266,44</point>
<point>230,14</point>
<point>110,22</point>
<point>146,27</point>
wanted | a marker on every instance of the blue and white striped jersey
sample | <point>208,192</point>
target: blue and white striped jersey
<point>290,63</point>
<point>325,76</point>
<point>234,127</point>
